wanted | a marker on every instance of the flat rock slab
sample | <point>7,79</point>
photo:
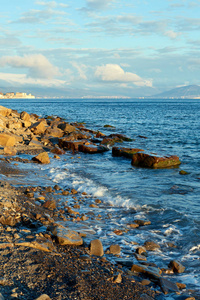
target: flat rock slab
<point>92,149</point>
<point>125,152</point>
<point>149,271</point>
<point>40,244</point>
<point>66,236</point>
<point>150,161</point>
<point>167,286</point>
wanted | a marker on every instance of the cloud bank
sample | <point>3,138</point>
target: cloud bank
<point>114,73</point>
<point>37,65</point>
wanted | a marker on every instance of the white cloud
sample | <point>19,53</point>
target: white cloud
<point>81,68</point>
<point>22,79</point>
<point>172,34</point>
<point>38,65</point>
<point>114,73</point>
<point>51,4</point>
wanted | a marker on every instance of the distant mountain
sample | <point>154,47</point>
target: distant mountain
<point>189,91</point>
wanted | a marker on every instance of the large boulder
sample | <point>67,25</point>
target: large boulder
<point>54,132</point>
<point>125,152</point>
<point>25,116</point>
<point>150,161</point>
<point>4,111</point>
<point>70,145</point>
<point>66,236</point>
<point>7,140</point>
<point>67,128</point>
<point>42,158</point>
<point>38,127</point>
<point>92,149</point>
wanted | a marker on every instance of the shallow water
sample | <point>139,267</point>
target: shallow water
<point>169,200</point>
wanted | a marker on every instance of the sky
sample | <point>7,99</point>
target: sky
<point>97,48</point>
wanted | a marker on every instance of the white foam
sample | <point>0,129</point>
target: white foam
<point>194,248</point>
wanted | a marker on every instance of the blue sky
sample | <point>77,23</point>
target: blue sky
<point>100,47</point>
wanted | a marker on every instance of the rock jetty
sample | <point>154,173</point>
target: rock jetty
<point>42,259</point>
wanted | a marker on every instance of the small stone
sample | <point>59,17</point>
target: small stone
<point>151,245</point>
<point>48,189</point>
<point>145,282</point>
<point>73,191</point>
<point>176,266</point>
<point>56,187</point>
<point>50,204</point>
<point>182,172</point>
<point>117,278</point>
<point>115,249</point>
<point>96,248</point>
<point>142,222</point>
<point>98,201</point>
<point>134,225</point>
<point>43,297</point>
<point>65,193</point>
<point>181,286</point>
<point>140,250</point>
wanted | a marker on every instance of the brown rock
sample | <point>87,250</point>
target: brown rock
<point>65,236</point>
<point>57,151</point>
<point>151,246</point>
<point>7,140</point>
<point>150,161</point>
<point>125,152</point>
<point>43,297</point>
<point>25,116</point>
<point>140,250</point>
<point>38,127</point>
<point>96,248</point>
<point>39,243</point>
<point>92,148</point>
<point>50,204</point>
<point>4,111</point>
<point>70,145</point>
<point>181,286</point>
<point>8,220</point>
<point>115,249</point>
<point>67,128</point>
<point>142,222</point>
<point>9,151</point>
<point>176,266</point>
<point>55,132</point>
<point>152,272</point>
<point>42,158</point>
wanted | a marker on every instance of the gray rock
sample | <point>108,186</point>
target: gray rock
<point>167,286</point>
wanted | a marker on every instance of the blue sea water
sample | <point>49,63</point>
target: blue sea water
<point>169,200</point>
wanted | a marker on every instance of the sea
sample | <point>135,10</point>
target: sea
<point>169,200</point>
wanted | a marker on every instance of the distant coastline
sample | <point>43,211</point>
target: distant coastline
<point>16,96</point>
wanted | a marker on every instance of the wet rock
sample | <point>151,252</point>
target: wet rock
<point>42,158</point>
<point>145,297</point>
<point>140,257</point>
<point>182,172</point>
<point>56,187</point>
<point>125,152</point>
<point>49,204</point>
<point>181,286</point>
<point>1,297</point>
<point>48,189</point>
<point>73,191</point>
<point>145,282</point>
<point>92,149</point>
<point>71,145</point>
<point>7,140</point>
<point>114,249</point>
<point>108,126</point>
<point>117,278</point>
<point>43,297</point>
<point>134,225</point>
<point>167,286</point>
<point>149,271</point>
<point>140,250</point>
<point>120,137</point>
<point>151,245</point>
<point>142,222</point>
<point>96,248</point>
<point>176,266</point>
<point>65,236</point>
<point>58,151</point>
<point>150,161</point>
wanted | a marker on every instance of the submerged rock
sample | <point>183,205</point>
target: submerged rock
<point>150,161</point>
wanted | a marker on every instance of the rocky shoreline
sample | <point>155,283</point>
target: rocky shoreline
<point>42,259</point>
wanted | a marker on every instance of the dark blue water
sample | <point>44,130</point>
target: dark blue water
<point>170,200</point>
